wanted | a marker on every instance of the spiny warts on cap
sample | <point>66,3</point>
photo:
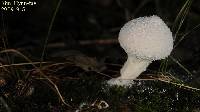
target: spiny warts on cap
<point>146,38</point>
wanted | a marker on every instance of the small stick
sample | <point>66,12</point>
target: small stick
<point>100,41</point>
<point>21,64</point>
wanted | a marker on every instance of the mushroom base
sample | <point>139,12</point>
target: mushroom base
<point>132,68</point>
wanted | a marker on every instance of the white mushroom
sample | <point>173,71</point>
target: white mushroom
<point>144,39</point>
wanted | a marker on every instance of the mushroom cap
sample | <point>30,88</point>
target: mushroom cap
<point>146,38</point>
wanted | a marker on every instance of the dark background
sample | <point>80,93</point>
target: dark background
<point>80,21</point>
<point>90,28</point>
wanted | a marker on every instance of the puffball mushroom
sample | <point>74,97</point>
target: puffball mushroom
<point>144,39</point>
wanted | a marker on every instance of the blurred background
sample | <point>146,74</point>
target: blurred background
<point>91,27</point>
<point>79,23</point>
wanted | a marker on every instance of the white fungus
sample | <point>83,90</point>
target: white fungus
<point>144,39</point>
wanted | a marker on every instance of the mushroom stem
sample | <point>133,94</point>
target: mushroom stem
<point>133,67</point>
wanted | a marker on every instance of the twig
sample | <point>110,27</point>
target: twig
<point>170,82</point>
<point>86,42</point>
<point>180,85</point>
<point>100,41</point>
<point>49,31</point>
<point>22,64</point>
<point>5,104</point>
<point>41,73</point>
